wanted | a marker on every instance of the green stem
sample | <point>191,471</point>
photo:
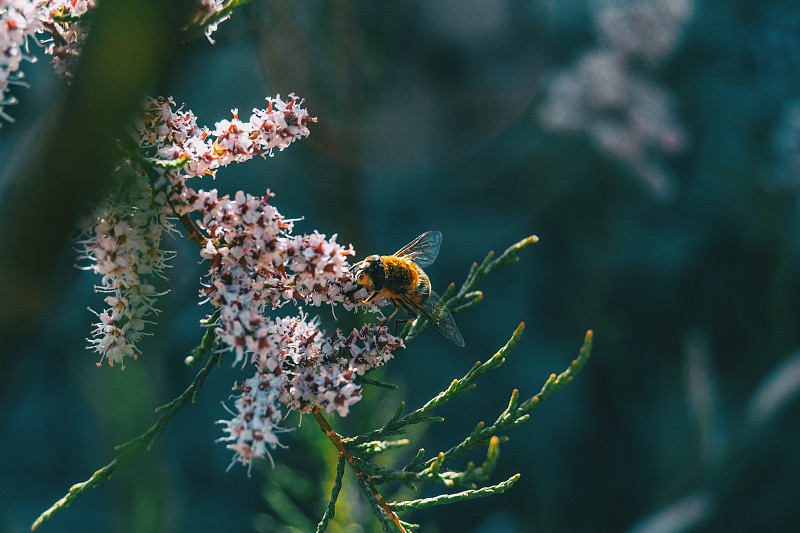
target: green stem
<point>457,497</point>
<point>456,388</point>
<point>147,439</point>
<point>467,297</point>
<point>337,486</point>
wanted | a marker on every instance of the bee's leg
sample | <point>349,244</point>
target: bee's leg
<point>371,297</point>
<point>387,319</point>
<point>398,304</point>
<point>399,321</point>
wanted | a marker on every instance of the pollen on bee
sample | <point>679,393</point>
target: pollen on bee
<point>402,270</point>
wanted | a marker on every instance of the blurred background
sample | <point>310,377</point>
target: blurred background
<point>652,145</point>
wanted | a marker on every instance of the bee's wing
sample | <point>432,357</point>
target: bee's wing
<point>439,316</point>
<point>423,250</point>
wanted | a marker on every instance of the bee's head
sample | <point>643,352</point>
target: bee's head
<point>369,273</point>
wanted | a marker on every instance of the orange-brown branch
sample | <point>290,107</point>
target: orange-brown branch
<point>192,230</point>
<point>337,441</point>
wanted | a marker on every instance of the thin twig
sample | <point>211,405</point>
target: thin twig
<point>513,415</point>
<point>456,388</point>
<point>330,511</point>
<point>457,497</point>
<point>467,296</point>
<point>362,477</point>
<point>146,439</point>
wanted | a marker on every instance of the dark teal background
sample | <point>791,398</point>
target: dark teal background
<point>428,119</point>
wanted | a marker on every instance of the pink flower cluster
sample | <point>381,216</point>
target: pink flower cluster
<point>177,136</point>
<point>248,240</point>
<point>255,425</point>
<point>56,26</point>
<point>257,266</point>
<point>608,93</point>
<point>25,20</point>
<point>649,29</point>
<point>120,242</point>
<point>66,36</point>
<point>19,21</point>
<point>208,9</point>
<point>302,369</point>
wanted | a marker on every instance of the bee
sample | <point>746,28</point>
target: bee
<point>400,279</point>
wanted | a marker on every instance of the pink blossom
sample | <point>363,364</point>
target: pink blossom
<point>121,243</point>
<point>176,135</point>
<point>257,268</point>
